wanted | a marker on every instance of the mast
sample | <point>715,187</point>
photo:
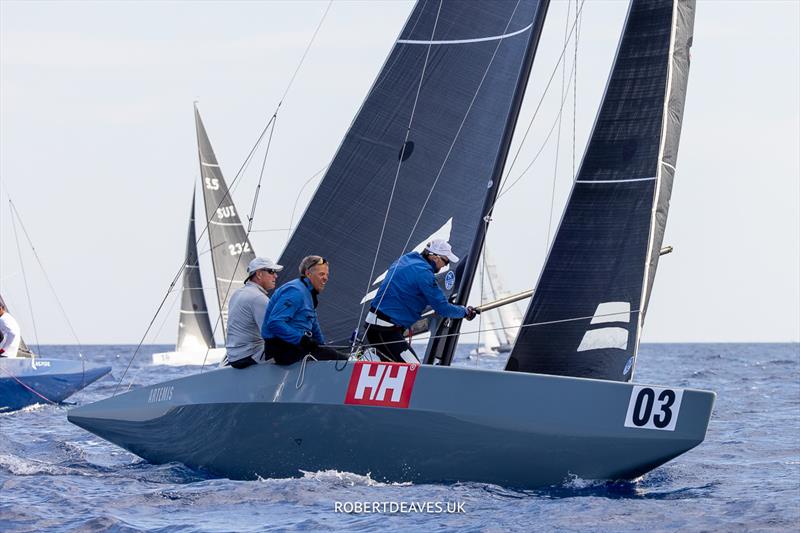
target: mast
<point>447,335</point>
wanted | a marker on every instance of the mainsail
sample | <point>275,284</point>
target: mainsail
<point>230,248</point>
<point>194,327</point>
<point>421,153</point>
<point>587,311</point>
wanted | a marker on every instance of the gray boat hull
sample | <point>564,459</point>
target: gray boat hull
<point>513,429</point>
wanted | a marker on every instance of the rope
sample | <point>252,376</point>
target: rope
<point>302,376</point>
<point>25,278</point>
<point>42,396</point>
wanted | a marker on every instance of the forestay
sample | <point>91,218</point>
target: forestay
<point>230,248</point>
<point>194,327</point>
<point>602,262</point>
<point>419,157</point>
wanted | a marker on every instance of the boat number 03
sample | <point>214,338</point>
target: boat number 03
<point>653,408</point>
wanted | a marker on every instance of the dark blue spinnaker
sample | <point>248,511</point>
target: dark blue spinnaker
<point>586,314</point>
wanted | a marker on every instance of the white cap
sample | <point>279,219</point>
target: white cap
<point>443,248</point>
<point>261,263</point>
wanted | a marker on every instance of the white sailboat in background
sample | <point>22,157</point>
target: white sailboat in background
<point>498,327</point>
<point>230,254</point>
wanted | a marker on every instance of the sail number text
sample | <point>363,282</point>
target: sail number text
<point>238,248</point>
<point>653,408</point>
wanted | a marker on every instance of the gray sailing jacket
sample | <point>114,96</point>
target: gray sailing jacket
<point>246,310</point>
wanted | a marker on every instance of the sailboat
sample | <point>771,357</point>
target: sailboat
<point>28,379</point>
<point>230,254</point>
<point>426,154</point>
<point>499,327</point>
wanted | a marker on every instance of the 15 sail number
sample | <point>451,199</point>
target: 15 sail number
<point>653,408</point>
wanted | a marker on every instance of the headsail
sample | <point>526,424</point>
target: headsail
<point>194,326</point>
<point>588,308</point>
<point>449,83</point>
<point>230,248</point>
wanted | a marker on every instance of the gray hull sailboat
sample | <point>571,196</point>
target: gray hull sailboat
<point>425,155</point>
<point>230,254</point>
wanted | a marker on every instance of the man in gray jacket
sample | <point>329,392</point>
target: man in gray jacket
<point>246,310</point>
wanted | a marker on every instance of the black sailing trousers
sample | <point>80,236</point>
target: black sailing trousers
<point>286,353</point>
<point>390,344</point>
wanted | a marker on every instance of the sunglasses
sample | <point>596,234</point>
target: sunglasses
<point>444,259</point>
<point>268,271</point>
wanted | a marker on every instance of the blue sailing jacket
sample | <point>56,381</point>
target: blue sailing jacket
<point>408,288</point>
<point>290,313</point>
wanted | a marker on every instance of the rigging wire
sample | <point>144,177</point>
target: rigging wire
<point>25,278</point>
<point>558,135</point>
<point>44,272</point>
<point>504,189</point>
<point>250,218</point>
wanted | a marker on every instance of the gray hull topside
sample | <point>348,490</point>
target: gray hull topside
<point>512,429</point>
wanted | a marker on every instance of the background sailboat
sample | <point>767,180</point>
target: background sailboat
<point>231,252</point>
<point>27,379</point>
<point>498,327</point>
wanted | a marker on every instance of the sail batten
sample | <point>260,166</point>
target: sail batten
<point>605,253</point>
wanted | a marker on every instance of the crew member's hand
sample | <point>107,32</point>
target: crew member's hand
<point>471,312</point>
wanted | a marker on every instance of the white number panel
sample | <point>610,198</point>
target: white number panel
<point>653,408</point>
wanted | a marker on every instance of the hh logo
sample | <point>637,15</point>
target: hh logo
<point>385,384</point>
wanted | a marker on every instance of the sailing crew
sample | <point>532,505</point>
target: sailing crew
<point>246,310</point>
<point>9,333</point>
<point>408,288</point>
<point>291,326</point>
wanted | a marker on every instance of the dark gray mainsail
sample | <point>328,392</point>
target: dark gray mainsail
<point>230,248</point>
<point>194,326</point>
<point>422,151</point>
<point>588,307</point>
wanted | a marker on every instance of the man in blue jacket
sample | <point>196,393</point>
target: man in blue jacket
<point>291,328</point>
<point>409,287</point>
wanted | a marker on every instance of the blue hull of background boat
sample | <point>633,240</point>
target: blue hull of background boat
<point>24,382</point>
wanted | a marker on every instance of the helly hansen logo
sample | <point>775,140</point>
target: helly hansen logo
<point>384,384</point>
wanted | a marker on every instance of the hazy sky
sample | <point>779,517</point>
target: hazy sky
<point>98,151</point>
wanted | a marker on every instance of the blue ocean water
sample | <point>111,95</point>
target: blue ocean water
<point>746,475</point>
